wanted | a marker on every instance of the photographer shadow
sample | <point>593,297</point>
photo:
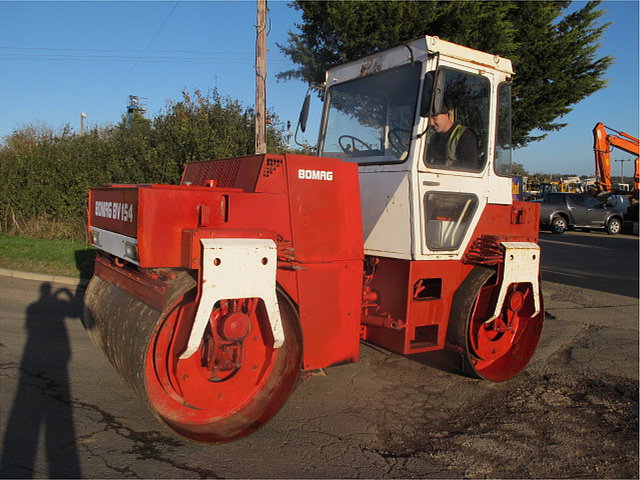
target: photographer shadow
<point>42,407</point>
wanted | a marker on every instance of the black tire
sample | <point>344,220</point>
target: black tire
<point>558,225</point>
<point>614,226</point>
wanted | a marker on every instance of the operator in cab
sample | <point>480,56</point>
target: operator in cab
<point>451,145</point>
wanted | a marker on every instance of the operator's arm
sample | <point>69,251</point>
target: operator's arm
<point>435,150</point>
<point>467,151</point>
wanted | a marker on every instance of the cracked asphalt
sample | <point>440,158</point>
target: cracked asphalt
<point>572,413</point>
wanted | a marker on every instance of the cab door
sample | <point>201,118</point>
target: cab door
<point>452,193</point>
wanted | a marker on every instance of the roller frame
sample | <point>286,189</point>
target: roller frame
<point>234,268</point>
<point>521,265</point>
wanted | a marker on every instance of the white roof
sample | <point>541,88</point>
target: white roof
<point>415,50</point>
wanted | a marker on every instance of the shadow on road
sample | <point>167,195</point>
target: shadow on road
<point>85,261</point>
<point>444,360</point>
<point>42,406</point>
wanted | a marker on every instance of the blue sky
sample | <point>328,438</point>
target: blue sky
<point>58,59</point>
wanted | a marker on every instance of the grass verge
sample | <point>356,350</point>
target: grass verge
<point>56,257</point>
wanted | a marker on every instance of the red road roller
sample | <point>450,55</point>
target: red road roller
<point>211,296</point>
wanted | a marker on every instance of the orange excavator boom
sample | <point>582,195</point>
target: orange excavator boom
<point>603,142</point>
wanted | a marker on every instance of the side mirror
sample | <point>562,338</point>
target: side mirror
<point>304,113</point>
<point>432,93</point>
<point>438,92</point>
<point>427,94</point>
<point>302,119</point>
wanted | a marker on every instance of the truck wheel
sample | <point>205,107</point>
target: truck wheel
<point>230,387</point>
<point>614,226</point>
<point>558,224</point>
<point>499,350</point>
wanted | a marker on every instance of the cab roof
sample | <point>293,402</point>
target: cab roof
<point>416,50</point>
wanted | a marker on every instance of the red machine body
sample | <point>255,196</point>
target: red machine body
<point>403,305</point>
<point>416,296</point>
<point>314,221</point>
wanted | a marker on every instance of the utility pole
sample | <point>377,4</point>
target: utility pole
<point>82,117</point>
<point>622,160</point>
<point>261,78</point>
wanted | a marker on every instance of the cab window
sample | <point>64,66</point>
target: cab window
<point>370,120</point>
<point>584,201</point>
<point>502,165</point>
<point>555,198</point>
<point>448,217</point>
<point>458,129</point>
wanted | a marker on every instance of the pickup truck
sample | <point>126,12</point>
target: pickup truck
<point>559,211</point>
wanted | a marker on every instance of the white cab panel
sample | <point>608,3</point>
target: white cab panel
<point>386,213</point>
<point>499,190</point>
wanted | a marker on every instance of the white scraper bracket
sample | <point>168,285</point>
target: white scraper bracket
<point>521,265</point>
<point>235,268</point>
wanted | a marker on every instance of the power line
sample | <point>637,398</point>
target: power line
<point>71,57</point>
<point>247,62</point>
<point>108,58</point>
<point>138,59</point>
<point>25,51</point>
<point>125,50</point>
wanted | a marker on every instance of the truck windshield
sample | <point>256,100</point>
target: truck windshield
<point>370,120</point>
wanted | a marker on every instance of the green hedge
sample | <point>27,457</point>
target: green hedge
<point>57,257</point>
<point>46,175</point>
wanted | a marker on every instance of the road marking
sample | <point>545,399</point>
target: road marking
<point>562,273</point>
<point>578,274</point>
<point>574,244</point>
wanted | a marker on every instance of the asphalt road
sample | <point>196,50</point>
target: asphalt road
<point>573,412</point>
<point>596,261</point>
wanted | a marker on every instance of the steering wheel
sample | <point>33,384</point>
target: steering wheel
<point>350,148</point>
<point>397,140</point>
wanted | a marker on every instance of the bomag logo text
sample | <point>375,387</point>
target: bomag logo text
<point>315,175</point>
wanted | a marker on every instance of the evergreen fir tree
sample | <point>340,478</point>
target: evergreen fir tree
<point>554,54</point>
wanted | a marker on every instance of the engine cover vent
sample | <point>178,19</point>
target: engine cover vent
<point>229,173</point>
<point>224,171</point>
<point>272,165</point>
